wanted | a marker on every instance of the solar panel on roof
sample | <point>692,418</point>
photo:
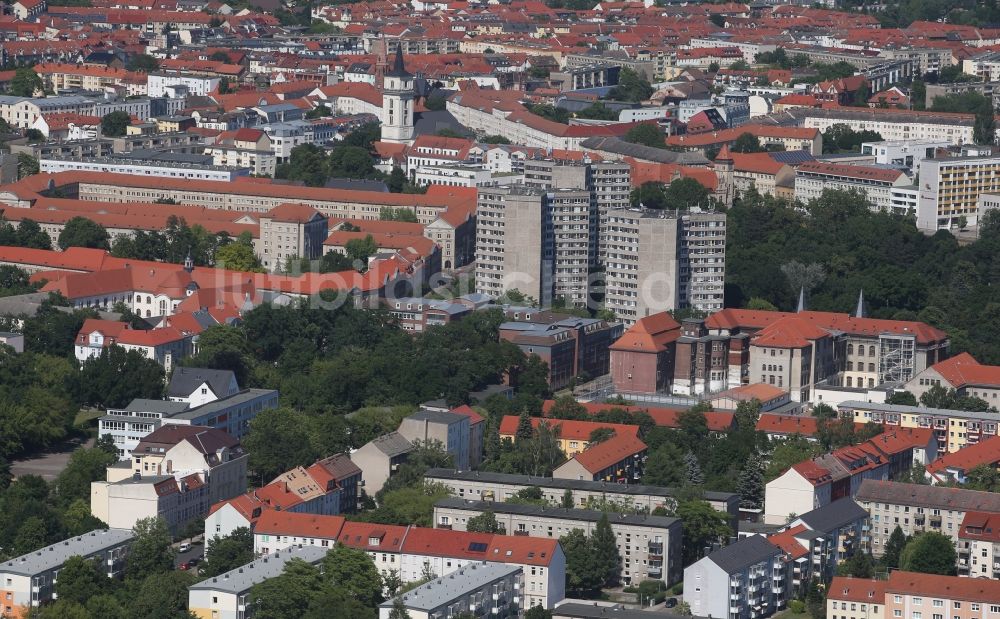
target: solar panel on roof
<point>477,547</point>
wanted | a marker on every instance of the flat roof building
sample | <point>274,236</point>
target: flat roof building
<point>29,580</point>
<point>226,596</point>
<point>479,588</point>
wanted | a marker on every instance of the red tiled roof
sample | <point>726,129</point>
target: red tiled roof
<point>731,318</point>
<point>980,590</point>
<point>849,589</point>
<point>718,421</point>
<point>968,457</point>
<point>466,410</point>
<point>787,424</point>
<point>963,369</point>
<point>789,332</point>
<point>980,526</point>
<point>387,537</point>
<point>649,334</point>
<point>605,454</point>
<point>292,213</point>
<point>787,542</point>
<point>859,172</point>
<point>446,543</point>
<point>568,428</point>
<point>522,550</point>
<point>278,522</point>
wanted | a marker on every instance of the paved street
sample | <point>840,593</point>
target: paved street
<point>196,551</point>
<point>49,465</point>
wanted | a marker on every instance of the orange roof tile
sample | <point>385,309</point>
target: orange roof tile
<point>278,522</point>
<point>568,428</point>
<point>605,454</point>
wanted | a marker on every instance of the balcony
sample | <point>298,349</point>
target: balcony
<point>521,533</point>
<point>444,526</point>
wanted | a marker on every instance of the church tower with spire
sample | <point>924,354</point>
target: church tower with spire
<point>397,102</point>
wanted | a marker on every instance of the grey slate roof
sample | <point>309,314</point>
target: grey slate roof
<point>55,555</point>
<point>166,407</point>
<point>562,513</point>
<point>392,444</point>
<point>937,497</point>
<point>437,417</point>
<point>185,380</point>
<point>454,585</point>
<point>576,610</point>
<point>658,155</point>
<point>743,553</point>
<point>833,516</point>
<point>267,567</point>
<point>563,484</point>
<point>221,404</point>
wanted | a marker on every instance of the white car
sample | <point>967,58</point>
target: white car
<point>184,547</point>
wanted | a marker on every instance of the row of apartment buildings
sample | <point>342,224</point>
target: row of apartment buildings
<point>546,237</point>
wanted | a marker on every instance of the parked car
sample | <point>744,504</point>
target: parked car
<point>184,547</point>
<point>671,602</point>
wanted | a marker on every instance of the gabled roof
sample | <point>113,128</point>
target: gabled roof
<point>386,537</point>
<point>963,370</point>
<point>568,428</point>
<point>650,334</point>
<point>789,332</point>
<point>980,590</point>
<point>185,380</point>
<point>293,213</point>
<point>278,522</point>
<point>787,424</point>
<point>850,589</point>
<point>599,457</point>
<point>967,458</point>
<point>980,526</point>
<point>743,553</point>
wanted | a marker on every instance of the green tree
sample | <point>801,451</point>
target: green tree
<point>538,612</point>
<point>388,213</point>
<point>893,549</point>
<point>605,549</point>
<point>289,595</point>
<point>747,143</point>
<point>684,193</point>
<point>162,596</point>
<point>353,571</point>
<point>584,573</point>
<point>25,83</point>
<point>228,553</point>
<point>631,87</point>
<point>983,477</point>
<point>702,526</point>
<point>85,466</point>
<point>398,610</point>
<point>750,484</point>
<point>352,162</point>
<point>494,139</point>
<point>549,112</point>
<point>118,376</point>
<point>361,250</point>
<point>307,163</point>
<point>278,441</point>
<point>115,124</point>
<point>646,134</point>
<point>664,468</point>
<point>144,63</point>
<point>694,475</point>
<point>929,552</point>
<point>80,579</point>
<point>525,431</point>
<point>598,111</point>
<point>150,553</point>
<point>786,453</point>
<point>83,232</point>
<point>238,257</point>
<point>904,398</point>
<point>858,565</point>
<point>485,522</point>
<point>26,165</point>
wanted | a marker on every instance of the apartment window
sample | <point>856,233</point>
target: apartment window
<point>975,607</point>
<point>938,603</point>
<point>957,605</point>
<point>918,601</point>
<point>916,615</point>
<point>898,599</point>
<point>897,613</point>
